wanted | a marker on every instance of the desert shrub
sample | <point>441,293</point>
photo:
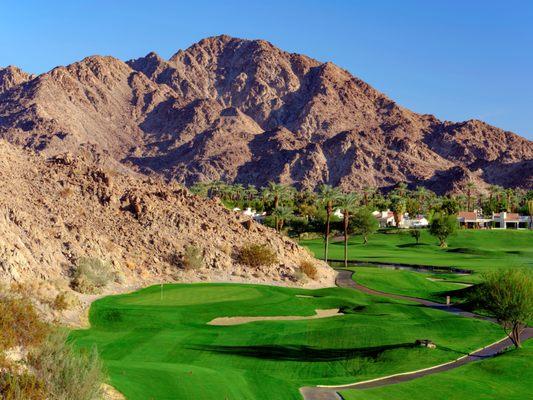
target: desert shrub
<point>19,324</point>
<point>309,269</point>
<point>299,275</point>
<point>21,387</point>
<point>255,255</point>
<point>65,301</point>
<point>91,275</point>
<point>193,258</point>
<point>68,374</point>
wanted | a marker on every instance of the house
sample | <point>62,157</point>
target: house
<point>505,220</point>
<point>473,220</point>
<point>385,218</point>
<point>418,221</point>
<point>259,217</point>
<point>338,213</point>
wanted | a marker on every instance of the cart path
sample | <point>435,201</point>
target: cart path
<point>344,279</point>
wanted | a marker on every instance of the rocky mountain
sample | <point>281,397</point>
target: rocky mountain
<point>55,211</point>
<point>246,111</point>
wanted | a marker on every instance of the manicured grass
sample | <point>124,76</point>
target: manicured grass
<point>507,376</point>
<point>158,348</point>
<point>479,250</point>
<point>408,283</point>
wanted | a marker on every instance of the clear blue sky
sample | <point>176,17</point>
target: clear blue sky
<point>456,59</point>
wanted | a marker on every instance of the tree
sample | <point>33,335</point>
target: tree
<point>448,207</point>
<point>327,197</point>
<point>442,226</point>
<point>507,294</point>
<point>530,212</point>
<point>510,199</point>
<point>276,193</point>
<point>421,194</point>
<point>347,204</point>
<point>398,208</point>
<point>416,233</point>
<point>368,192</point>
<point>401,189</point>
<point>281,214</point>
<point>470,186</point>
<point>364,223</point>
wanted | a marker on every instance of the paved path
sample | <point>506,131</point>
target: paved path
<point>344,279</point>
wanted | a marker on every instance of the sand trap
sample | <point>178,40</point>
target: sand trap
<point>227,321</point>
<point>447,281</point>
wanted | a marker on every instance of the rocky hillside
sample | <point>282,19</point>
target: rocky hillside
<point>55,211</point>
<point>246,111</point>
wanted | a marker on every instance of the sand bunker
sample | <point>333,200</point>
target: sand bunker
<point>227,321</point>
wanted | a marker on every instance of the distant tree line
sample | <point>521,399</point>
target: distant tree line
<point>301,211</point>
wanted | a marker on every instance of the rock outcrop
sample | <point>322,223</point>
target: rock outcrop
<point>56,210</point>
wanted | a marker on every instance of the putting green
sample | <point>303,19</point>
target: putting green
<point>507,376</point>
<point>162,348</point>
<point>480,250</point>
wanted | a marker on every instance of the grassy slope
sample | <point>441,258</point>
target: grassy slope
<point>507,376</point>
<point>408,283</point>
<point>478,250</point>
<point>163,349</point>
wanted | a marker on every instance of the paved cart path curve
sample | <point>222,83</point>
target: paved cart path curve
<point>344,279</point>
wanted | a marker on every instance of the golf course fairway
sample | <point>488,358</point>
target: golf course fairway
<point>507,376</point>
<point>158,344</point>
<point>478,250</point>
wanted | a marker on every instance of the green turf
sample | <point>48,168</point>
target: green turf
<point>508,376</point>
<point>408,283</point>
<point>479,250</point>
<point>163,349</point>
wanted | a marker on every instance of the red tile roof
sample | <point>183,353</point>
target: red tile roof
<point>467,215</point>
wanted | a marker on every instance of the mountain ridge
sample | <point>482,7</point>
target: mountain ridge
<point>245,111</point>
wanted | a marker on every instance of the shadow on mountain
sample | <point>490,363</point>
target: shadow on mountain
<point>303,353</point>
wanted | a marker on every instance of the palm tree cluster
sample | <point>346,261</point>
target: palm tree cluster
<point>329,209</point>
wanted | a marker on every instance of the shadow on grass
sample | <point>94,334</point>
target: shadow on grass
<point>406,245</point>
<point>303,353</point>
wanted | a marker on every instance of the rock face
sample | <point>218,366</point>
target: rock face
<point>246,111</point>
<point>53,211</point>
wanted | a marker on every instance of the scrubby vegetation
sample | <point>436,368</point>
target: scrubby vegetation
<point>309,269</point>
<point>507,294</point>
<point>193,258</point>
<point>91,275</point>
<point>46,366</point>
<point>256,255</point>
<point>68,374</point>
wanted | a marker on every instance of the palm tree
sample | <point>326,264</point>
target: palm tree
<point>530,212</point>
<point>238,192</point>
<point>510,198</point>
<point>200,188</point>
<point>368,192</point>
<point>282,214</point>
<point>251,192</point>
<point>276,193</point>
<point>327,196</point>
<point>422,194</point>
<point>401,189</point>
<point>347,204</point>
<point>469,187</point>
<point>493,190</point>
<point>398,208</point>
